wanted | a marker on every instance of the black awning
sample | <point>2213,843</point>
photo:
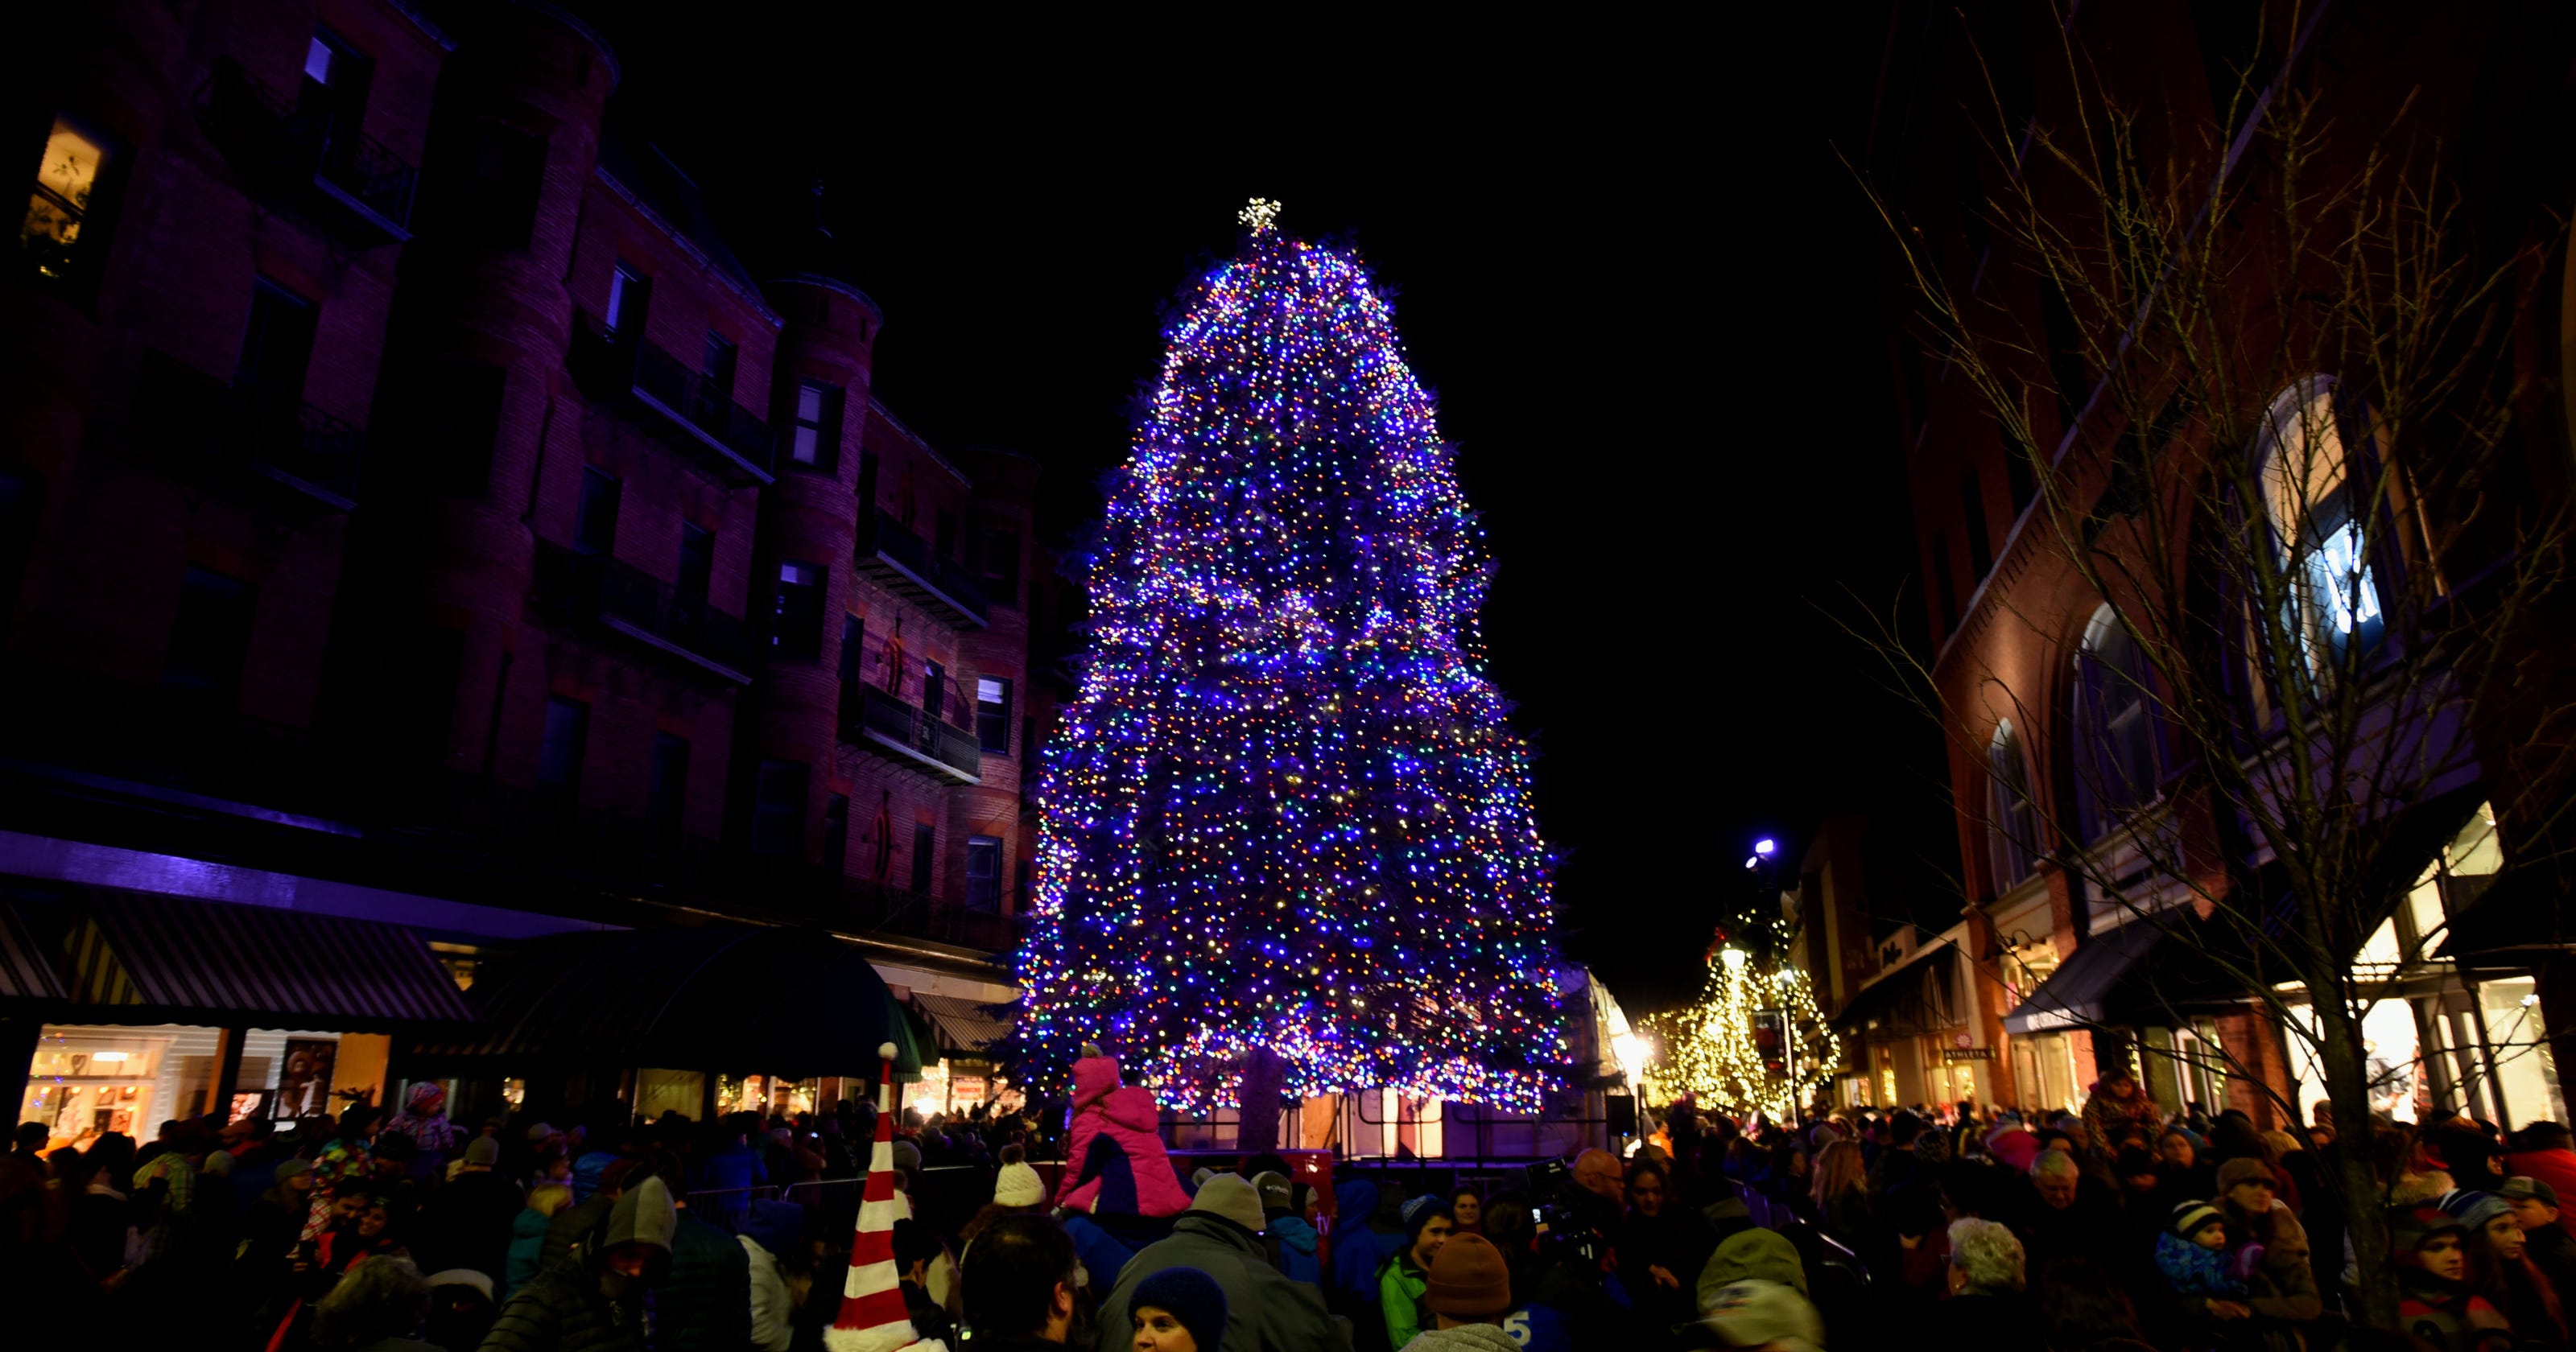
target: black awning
<point>1923,996</point>
<point>24,973</point>
<point>772,1001</point>
<point>2076,992</point>
<point>2150,971</point>
<point>186,960</point>
<point>964,1027</point>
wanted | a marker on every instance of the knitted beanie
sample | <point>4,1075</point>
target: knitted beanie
<point>1230,1196</point>
<point>2190,1216</point>
<point>1188,1295</point>
<point>2472,1208</point>
<point>1018,1185</point>
<point>1419,1213</point>
<point>2245,1169</point>
<point>1468,1279</point>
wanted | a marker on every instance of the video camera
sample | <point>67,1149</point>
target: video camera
<point>1566,1217</point>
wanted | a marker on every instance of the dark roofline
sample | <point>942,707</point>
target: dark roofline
<point>833,284</point>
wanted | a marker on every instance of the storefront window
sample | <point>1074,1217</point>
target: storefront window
<point>660,1091</point>
<point>86,1082</point>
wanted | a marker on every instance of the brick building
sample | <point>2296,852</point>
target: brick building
<point>2015,630</point>
<point>421,537</point>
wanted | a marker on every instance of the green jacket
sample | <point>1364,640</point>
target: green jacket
<point>1400,1286</point>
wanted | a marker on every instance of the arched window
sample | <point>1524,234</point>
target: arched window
<point>2012,831</point>
<point>2308,497</point>
<point>2116,767</point>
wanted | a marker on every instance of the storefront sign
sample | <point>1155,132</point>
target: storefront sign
<point>1967,1054</point>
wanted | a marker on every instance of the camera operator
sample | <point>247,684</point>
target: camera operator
<point>1576,1267</point>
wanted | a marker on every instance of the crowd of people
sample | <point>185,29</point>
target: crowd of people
<point>2113,1228</point>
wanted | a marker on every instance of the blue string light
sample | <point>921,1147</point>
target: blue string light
<point>1284,810</point>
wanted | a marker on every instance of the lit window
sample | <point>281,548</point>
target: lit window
<point>67,181</point>
<point>2116,769</point>
<point>2013,832</point>
<point>817,426</point>
<point>317,62</point>
<point>2316,522</point>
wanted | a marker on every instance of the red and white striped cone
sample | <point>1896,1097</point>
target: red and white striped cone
<point>872,1317</point>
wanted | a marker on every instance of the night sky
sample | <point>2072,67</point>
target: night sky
<point>1632,267</point>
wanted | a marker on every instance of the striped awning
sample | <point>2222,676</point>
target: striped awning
<point>24,973</point>
<point>729,998</point>
<point>964,1026</point>
<point>188,960</point>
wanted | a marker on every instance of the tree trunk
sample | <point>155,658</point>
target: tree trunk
<point>1257,1121</point>
<point>2347,1070</point>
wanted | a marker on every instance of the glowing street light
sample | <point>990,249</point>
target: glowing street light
<point>1734,958</point>
<point>1765,847</point>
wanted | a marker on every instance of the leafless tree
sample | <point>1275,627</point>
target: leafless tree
<point>2294,463</point>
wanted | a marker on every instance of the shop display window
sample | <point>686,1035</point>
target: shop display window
<point>84,1084</point>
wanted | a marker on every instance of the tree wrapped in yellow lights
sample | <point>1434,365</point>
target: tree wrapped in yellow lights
<point>1711,1050</point>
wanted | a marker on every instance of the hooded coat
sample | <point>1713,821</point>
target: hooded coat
<point>1292,1244</point>
<point>577,1304</point>
<point>1266,1311</point>
<point>527,1249</point>
<point>1114,1154</point>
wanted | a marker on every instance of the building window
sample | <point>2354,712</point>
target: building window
<point>2012,820</point>
<point>799,610</point>
<point>853,631</point>
<point>211,638</point>
<point>333,96</point>
<point>944,534</point>
<point>984,873</point>
<point>925,845</point>
<point>778,808</point>
<point>594,522</point>
<point>2324,548</point>
<point>630,298</point>
<point>666,796</point>
<point>559,752</point>
<point>277,345</point>
<point>836,832</point>
<point>697,565</point>
<point>934,690</point>
<point>62,232</point>
<point>1001,567</point>
<point>993,714</point>
<point>723,358</point>
<point>2116,763</point>
<point>815,442</point>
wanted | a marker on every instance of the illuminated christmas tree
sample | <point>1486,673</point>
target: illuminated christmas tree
<point>1284,812</point>
<point>1754,1040</point>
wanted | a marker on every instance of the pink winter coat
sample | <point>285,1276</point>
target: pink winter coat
<point>1114,1159</point>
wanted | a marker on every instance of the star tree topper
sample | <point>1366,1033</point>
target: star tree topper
<point>1260,215</point>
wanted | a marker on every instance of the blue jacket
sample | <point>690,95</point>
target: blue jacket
<point>1294,1249</point>
<point>1101,1253</point>
<point>733,1165</point>
<point>1537,1329</point>
<point>1358,1251</point>
<point>527,1251</point>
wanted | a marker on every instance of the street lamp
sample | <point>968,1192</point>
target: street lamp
<point>1765,847</point>
<point>1734,958</point>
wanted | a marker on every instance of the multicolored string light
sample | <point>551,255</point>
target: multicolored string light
<point>1284,811</point>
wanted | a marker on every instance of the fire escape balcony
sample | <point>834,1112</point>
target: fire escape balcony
<point>362,189</point>
<point>198,420</point>
<point>702,420</point>
<point>633,603</point>
<point>875,721</point>
<point>904,562</point>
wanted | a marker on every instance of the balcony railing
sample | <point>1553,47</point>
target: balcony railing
<point>905,562</point>
<point>873,720</point>
<point>644,608</point>
<point>702,419</point>
<point>363,186</point>
<point>197,419</point>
